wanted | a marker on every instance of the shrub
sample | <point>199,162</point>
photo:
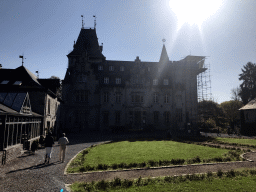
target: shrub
<point>114,166</point>
<point>194,177</point>
<point>231,173</point>
<point>139,181</point>
<point>100,167</point>
<point>127,183</point>
<point>143,164</point>
<point>122,165</point>
<point>167,179</point>
<point>89,168</point>
<point>202,176</point>
<point>177,161</point>
<point>117,182</point>
<point>219,173</point>
<point>253,172</point>
<point>152,163</point>
<point>103,185</point>
<point>209,174</point>
<point>218,159</point>
<point>82,169</point>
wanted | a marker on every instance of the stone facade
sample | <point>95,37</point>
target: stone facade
<point>100,94</point>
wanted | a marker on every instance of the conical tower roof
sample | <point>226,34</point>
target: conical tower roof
<point>87,41</point>
<point>164,57</point>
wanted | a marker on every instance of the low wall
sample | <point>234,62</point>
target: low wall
<point>11,153</point>
<point>14,151</point>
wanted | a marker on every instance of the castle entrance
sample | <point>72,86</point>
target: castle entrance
<point>137,119</point>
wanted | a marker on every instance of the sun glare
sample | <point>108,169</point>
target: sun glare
<point>194,11</point>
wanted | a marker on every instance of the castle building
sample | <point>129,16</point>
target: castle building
<point>101,94</point>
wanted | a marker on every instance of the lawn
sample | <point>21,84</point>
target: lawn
<point>229,181</point>
<point>239,141</point>
<point>143,151</point>
<point>219,184</point>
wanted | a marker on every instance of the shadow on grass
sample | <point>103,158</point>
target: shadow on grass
<point>159,135</point>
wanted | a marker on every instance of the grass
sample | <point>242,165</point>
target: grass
<point>239,141</point>
<point>228,181</point>
<point>128,153</point>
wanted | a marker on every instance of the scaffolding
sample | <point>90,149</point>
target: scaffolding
<point>204,91</point>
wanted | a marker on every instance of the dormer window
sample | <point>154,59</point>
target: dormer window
<point>100,67</point>
<point>111,68</point>
<point>122,68</point>
<point>17,83</point>
<point>4,82</point>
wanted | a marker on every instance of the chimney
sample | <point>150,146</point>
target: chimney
<point>0,66</point>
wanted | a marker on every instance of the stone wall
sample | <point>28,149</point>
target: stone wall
<point>12,152</point>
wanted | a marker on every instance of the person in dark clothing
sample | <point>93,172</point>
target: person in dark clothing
<point>48,146</point>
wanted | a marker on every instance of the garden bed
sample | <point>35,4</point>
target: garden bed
<point>126,155</point>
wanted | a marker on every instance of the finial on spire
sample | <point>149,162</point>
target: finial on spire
<point>82,21</point>
<point>21,56</point>
<point>163,40</point>
<point>94,21</point>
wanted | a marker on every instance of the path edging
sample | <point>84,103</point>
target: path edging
<point>65,170</point>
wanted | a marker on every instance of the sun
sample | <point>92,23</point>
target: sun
<point>194,11</point>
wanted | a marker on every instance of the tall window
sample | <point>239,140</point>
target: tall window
<point>105,97</point>
<point>155,82</point>
<point>49,106</point>
<point>118,80</point>
<point>167,117</point>
<point>105,118</point>
<point>118,97</point>
<point>166,98</point>
<point>106,80</point>
<point>156,98</point>
<point>166,82</point>
<point>111,68</point>
<point>81,95</point>
<point>156,116</point>
<point>122,68</point>
<point>118,117</point>
<point>100,67</point>
<point>137,98</point>
<point>179,115</point>
<point>148,68</point>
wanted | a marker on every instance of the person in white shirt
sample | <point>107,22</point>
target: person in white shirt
<point>63,141</point>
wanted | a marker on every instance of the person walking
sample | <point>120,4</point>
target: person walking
<point>49,141</point>
<point>63,141</point>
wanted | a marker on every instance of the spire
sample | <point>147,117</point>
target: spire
<point>164,57</point>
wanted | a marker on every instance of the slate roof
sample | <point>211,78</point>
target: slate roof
<point>87,41</point>
<point>250,105</point>
<point>28,81</point>
<point>19,74</point>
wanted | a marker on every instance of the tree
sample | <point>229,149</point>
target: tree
<point>208,111</point>
<point>248,86</point>
<point>235,94</point>
<point>59,89</point>
<point>231,111</point>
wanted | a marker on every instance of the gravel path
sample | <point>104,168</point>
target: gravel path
<point>28,173</point>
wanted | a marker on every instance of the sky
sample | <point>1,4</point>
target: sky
<point>45,31</point>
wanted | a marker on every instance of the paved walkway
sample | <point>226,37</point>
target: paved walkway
<point>28,173</point>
